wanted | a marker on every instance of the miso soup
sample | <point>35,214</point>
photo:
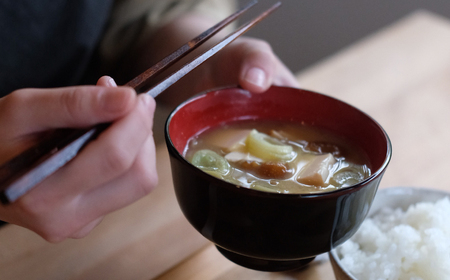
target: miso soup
<point>278,157</point>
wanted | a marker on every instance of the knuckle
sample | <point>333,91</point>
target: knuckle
<point>147,178</point>
<point>59,228</point>
<point>71,102</point>
<point>148,183</point>
<point>32,206</point>
<point>10,103</point>
<point>146,123</point>
<point>52,237</point>
<point>43,222</point>
<point>13,99</point>
<point>79,235</point>
<point>55,232</point>
<point>117,160</point>
<point>146,114</point>
<point>145,184</point>
<point>53,218</point>
<point>85,229</point>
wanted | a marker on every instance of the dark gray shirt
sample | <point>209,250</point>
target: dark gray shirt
<point>48,43</point>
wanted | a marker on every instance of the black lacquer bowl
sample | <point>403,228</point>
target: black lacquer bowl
<point>272,231</point>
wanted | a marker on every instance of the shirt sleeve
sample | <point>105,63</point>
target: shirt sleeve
<point>132,21</point>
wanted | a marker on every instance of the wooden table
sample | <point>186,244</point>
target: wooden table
<point>399,75</point>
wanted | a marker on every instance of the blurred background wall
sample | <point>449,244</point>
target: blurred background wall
<point>303,32</point>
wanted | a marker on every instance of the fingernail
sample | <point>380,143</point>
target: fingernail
<point>256,76</point>
<point>111,82</point>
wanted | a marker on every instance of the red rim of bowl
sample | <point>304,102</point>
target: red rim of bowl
<point>375,174</point>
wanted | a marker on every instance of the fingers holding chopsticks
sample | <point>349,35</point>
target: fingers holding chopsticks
<point>138,181</point>
<point>110,172</point>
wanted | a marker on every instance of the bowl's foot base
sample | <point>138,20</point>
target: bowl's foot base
<point>262,264</point>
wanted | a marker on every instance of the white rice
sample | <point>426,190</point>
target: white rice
<point>399,245</point>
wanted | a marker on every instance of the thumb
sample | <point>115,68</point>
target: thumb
<point>257,71</point>
<point>254,62</point>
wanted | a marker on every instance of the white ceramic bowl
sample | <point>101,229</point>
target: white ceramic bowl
<point>397,197</point>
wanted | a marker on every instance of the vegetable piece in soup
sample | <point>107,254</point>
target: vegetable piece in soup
<point>278,157</point>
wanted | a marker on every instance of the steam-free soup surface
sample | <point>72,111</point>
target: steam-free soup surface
<point>278,157</point>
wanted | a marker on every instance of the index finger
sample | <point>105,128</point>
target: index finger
<point>35,110</point>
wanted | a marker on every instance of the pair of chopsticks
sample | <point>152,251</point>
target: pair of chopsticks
<point>29,168</point>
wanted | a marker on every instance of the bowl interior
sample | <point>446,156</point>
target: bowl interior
<point>279,103</point>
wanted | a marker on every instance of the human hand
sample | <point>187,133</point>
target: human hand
<point>111,172</point>
<point>247,62</point>
<point>250,63</point>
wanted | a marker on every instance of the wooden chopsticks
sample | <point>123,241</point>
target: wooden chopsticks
<point>29,168</point>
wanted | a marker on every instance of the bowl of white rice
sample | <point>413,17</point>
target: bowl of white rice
<point>405,236</point>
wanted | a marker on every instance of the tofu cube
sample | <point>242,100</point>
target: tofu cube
<point>231,140</point>
<point>316,172</point>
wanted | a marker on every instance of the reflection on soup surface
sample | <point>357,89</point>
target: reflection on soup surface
<point>278,157</point>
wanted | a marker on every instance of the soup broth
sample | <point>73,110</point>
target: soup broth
<point>278,157</point>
